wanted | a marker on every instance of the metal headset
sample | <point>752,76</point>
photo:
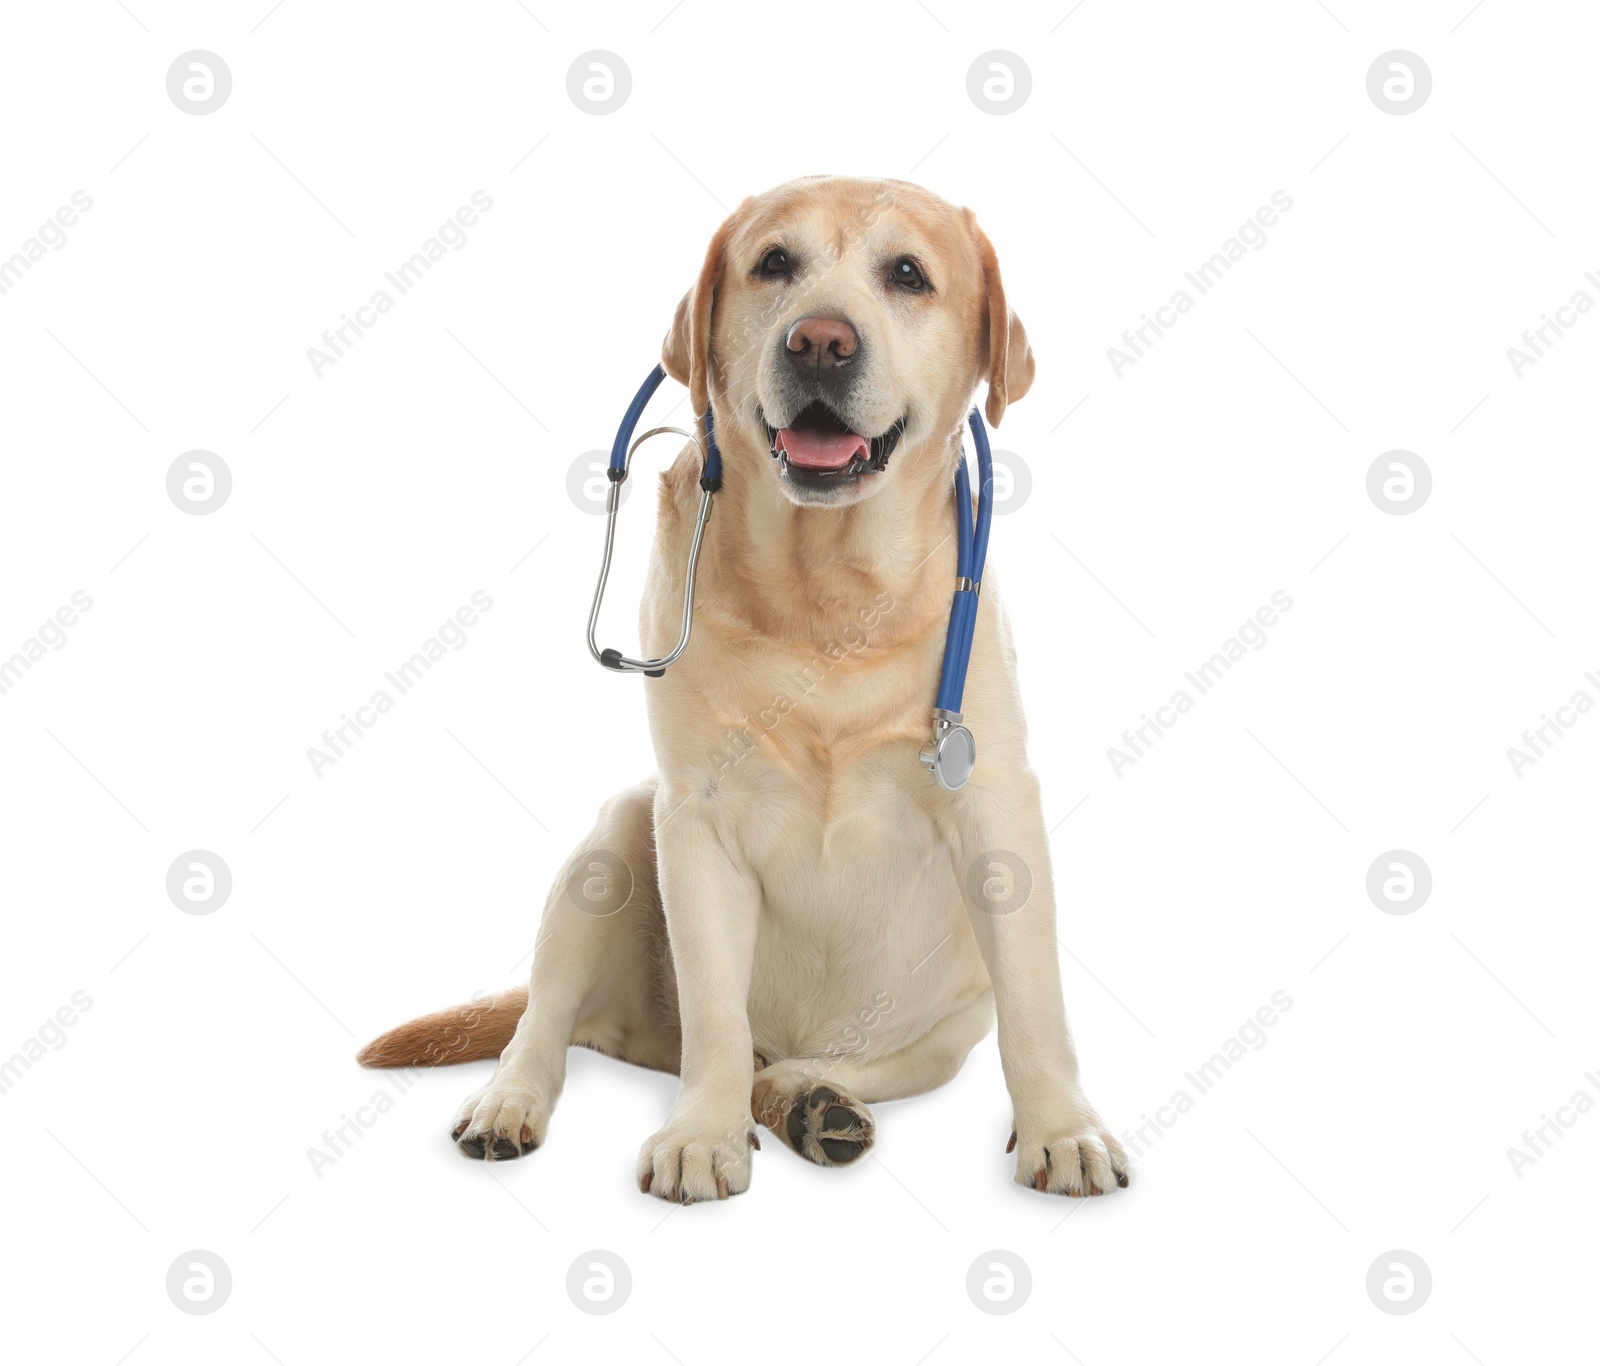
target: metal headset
<point>951,752</point>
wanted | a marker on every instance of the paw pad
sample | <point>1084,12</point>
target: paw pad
<point>829,1129</point>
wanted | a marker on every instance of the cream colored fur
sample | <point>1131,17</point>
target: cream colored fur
<point>797,917</point>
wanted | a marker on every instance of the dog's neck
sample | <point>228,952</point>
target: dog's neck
<point>797,575</point>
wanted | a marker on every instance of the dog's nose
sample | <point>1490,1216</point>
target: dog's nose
<point>819,344</point>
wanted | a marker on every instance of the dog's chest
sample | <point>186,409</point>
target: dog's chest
<point>811,765</point>
<point>857,890</point>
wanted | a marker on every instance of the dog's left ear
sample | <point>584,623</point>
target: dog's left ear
<point>686,352</point>
<point>1010,364</point>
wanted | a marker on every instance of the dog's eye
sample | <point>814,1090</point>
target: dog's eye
<point>775,265</point>
<point>907,274</point>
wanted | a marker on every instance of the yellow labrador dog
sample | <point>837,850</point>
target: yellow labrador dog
<point>793,915</point>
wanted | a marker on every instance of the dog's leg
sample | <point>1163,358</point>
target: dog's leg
<point>711,902</point>
<point>818,1106</point>
<point>1062,1145</point>
<point>596,980</point>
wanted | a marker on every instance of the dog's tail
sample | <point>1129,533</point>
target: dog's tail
<point>465,1033</point>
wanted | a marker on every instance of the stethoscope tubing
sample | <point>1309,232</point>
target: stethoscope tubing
<point>972,549</point>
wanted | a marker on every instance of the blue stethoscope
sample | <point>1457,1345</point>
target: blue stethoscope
<point>951,752</point>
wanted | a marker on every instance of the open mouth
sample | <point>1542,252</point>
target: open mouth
<point>819,449</point>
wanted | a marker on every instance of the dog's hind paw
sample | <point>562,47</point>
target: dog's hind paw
<point>822,1124</point>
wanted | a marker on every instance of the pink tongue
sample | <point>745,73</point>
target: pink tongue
<point>821,450</point>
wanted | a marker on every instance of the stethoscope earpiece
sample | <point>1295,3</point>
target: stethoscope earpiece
<point>622,450</point>
<point>952,752</point>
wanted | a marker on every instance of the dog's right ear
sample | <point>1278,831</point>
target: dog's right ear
<point>686,353</point>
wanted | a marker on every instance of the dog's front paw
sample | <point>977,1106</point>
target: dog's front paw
<point>1068,1152</point>
<point>500,1122</point>
<point>688,1161</point>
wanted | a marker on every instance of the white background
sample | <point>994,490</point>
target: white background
<point>1168,504</point>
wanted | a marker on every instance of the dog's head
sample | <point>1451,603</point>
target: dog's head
<point>837,321</point>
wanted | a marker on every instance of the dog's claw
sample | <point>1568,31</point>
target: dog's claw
<point>1011,1142</point>
<point>722,1188</point>
<point>1039,1179</point>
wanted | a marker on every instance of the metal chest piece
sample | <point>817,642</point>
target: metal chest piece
<point>952,752</point>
